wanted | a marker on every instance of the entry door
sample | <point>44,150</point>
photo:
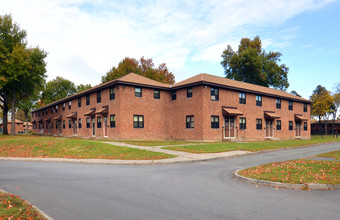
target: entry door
<point>93,126</point>
<point>269,128</point>
<point>74,121</point>
<point>105,126</point>
<point>229,127</point>
<point>49,127</point>
<point>298,129</point>
<point>59,125</point>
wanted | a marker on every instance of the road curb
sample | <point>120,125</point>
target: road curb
<point>311,186</point>
<point>33,206</point>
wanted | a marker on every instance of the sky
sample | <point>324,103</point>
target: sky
<point>86,38</point>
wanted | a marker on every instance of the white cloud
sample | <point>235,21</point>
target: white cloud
<point>85,38</point>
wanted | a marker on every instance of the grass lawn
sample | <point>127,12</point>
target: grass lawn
<point>297,171</point>
<point>53,147</point>
<point>12,207</point>
<point>151,143</point>
<point>333,154</point>
<point>248,146</point>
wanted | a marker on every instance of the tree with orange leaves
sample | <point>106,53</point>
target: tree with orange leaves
<point>144,67</point>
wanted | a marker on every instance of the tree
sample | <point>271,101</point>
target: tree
<point>22,69</point>
<point>295,93</point>
<point>144,67</point>
<point>83,87</point>
<point>336,104</point>
<point>28,104</point>
<point>322,102</point>
<point>58,88</point>
<point>253,65</point>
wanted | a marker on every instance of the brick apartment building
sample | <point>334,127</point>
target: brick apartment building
<point>325,127</point>
<point>20,126</point>
<point>203,107</point>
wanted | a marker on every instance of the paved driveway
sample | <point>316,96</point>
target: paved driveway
<point>204,190</point>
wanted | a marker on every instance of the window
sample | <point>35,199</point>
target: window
<point>79,102</point>
<point>138,92</point>
<point>258,124</point>
<point>56,108</point>
<point>138,121</point>
<point>43,112</point>
<point>242,123</point>
<point>242,97</point>
<point>305,126</point>
<point>99,97</point>
<point>52,110</point>
<point>99,122</point>
<point>214,94</point>
<point>258,100</point>
<point>173,95</point>
<point>112,121</point>
<point>189,92</point>
<point>278,125</point>
<point>46,111</point>
<point>63,124</point>
<point>88,123</point>
<point>64,106</point>
<point>290,105</point>
<point>305,107</point>
<point>79,123</point>
<point>56,125</point>
<point>278,103</point>
<point>156,94</point>
<point>69,105</point>
<point>39,113</point>
<point>190,123</point>
<point>112,93</point>
<point>290,125</point>
<point>69,124</point>
<point>88,100</point>
<point>215,122</point>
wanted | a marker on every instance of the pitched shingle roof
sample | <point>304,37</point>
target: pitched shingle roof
<point>326,121</point>
<point>138,79</point>
<point>224,82</point>
<point>131,78</point>
<point>16,121</point>
<point>135,79</point>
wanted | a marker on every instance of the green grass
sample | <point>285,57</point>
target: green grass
<point>247,146</point>
<point>148,143</point>
<point>13,207</point>
<point>333,154</point>
<point>297,171</point>
<point>53,147</point>
<point>151,143</point>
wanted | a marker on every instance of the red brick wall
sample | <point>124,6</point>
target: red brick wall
<point>166,119</point>
<point>182,107</point>
<point>18,127</point>
<point>251,112</point>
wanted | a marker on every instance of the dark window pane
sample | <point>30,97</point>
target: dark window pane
<point>189,92</point>
<point>156,94</point>
<point>173,95</point>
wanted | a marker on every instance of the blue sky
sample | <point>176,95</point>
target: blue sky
<point>85,38</point>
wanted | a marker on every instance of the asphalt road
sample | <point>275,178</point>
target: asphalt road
<point>204,190</point>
